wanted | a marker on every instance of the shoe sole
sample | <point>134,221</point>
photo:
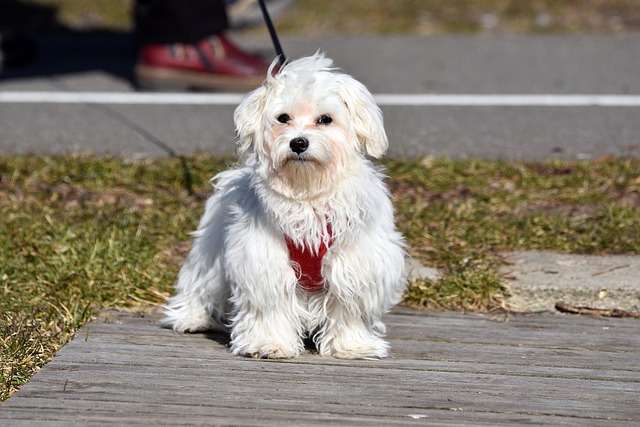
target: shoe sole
<point>154,77</point>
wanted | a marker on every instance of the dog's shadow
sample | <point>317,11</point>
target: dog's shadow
<point>222,338</point>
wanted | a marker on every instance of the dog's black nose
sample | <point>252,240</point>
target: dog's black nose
<point>299,145</point>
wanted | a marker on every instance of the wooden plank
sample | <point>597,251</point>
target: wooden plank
<point>244,403</point>
<point>446,369</point>
<point>352,395</point>
<point>616,336</point>
<point>405,352</point>
<point>402,350</point>
<point>576,332</point>
<point>541,393</point>
<point>609,336</point>
<point>127,414</point>
<point>514,365</point>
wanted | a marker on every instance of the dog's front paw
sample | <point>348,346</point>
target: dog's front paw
<point>372,347</point>
<point>373,350</point>
<point>184,321</point>
<point>266,351</point>
<point>274,352</point>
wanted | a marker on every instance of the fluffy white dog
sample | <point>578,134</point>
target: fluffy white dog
<point>300,240</point>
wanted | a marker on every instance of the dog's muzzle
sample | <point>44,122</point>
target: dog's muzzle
<point>299,145</point>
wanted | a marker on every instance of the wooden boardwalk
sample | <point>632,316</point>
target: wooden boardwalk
<point>446,369</point>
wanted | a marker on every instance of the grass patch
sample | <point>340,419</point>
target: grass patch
<point>79,234</point>
<point>460,16</point>
<point>313,18</point>
<point>460,215</point>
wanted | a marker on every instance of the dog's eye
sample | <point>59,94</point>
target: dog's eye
<point>284,118</point>
<point>324,120</point>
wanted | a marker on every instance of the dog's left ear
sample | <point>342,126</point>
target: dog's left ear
<point>248,117</point>
<point>365,116</point>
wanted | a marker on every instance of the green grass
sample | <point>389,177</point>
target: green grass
<point>79,234</point>
<point>460,16</point>
<point>314,18</point>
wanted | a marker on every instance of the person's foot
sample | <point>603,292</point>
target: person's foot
<point>212,63</point>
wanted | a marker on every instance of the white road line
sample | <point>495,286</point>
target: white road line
<point>546,100</point>
<point>120,98</point>
<point>409,100</point>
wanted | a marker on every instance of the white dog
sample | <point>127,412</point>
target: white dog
<point>300,240</point>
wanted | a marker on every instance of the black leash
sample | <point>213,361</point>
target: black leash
<point>272,32</point>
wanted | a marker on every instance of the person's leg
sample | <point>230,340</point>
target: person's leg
<point>16,49</point>
<point>181,43</point>
<point>178,21</point>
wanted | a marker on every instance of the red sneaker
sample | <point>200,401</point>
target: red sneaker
<point>212,63</point>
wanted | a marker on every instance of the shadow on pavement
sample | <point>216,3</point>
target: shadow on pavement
<point>58,49</point>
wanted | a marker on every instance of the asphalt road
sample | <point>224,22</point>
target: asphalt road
<point>462,65</point>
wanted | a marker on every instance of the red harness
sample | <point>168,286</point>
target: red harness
<point>308,266</point>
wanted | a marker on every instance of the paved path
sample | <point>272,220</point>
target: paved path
<point>539,280</point>
<point>446,369</point>
<point>501,65</point>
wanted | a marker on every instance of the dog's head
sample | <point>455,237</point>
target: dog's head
<point>309,125</point>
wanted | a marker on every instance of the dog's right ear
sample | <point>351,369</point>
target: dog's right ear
<point>248,117</point>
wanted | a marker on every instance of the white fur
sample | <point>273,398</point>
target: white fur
<point>238,276</point>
